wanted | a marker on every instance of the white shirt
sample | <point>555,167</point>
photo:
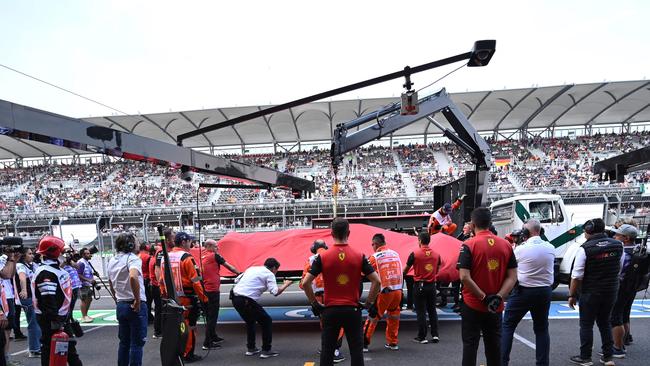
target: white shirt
<point>118,273</point>
<point>7,284</point>
<point>578,272</point>
<point>254,281</point>
<point>535,261</point>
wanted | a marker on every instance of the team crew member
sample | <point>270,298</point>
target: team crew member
<point>488,271</point>
<point>52,291</point>
<point>170,238</point>
<point>627,288</point>
<point>145,257</point>
<point>187,284</point>
<point>127,283</point>
<point>7,273</point>
<point>248,289</point>
<point>25,276</point>
<point>440,220</point>
<point>87,282</point>
<point>70,266</point>
<point>425,263</point>
<point>386,262</point>
<point>535,261</point>
<point>342,268</point>
<point>155,292</point>
<point>211,262</point>
<point>317,248</point>
<point>595,278</point>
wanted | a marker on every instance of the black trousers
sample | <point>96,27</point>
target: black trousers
<point>148,294</point>
<point>212,315</point>
<point>473,323</point>
<point>409,292</point>
<point>16,324</point>
<point>252,312</point>
<point>425,302</point>
<point>596,308</point>
<point>3,342</point>
<point>333,319</point>
<point>157,301</point>
<point>46,339</point>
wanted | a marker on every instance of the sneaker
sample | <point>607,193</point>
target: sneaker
<point>252,351</point>
<point>192,358</point>
<point>157,336</point>
<point>392,346</point>
<point>36,354</point>
<point>217,339</point>
<point>607,361</point>
<point>211,346</point>
<point>268,354</point>
<point>20,337</point>
<point>581,361</point>
<point>87,319</point>
<point>617,353</point>
<point>420,340</point>
<point>435,339</point>
<point>366,349</point>
<point>338,357</point>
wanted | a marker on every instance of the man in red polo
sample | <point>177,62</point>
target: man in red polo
<point>426,263</point>
<point>488,271</point>
<point>211,262</point>
<point>342,267</point>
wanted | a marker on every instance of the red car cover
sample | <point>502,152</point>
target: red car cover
<point>291,247</point>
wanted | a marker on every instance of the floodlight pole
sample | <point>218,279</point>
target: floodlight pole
<point>480,55</point>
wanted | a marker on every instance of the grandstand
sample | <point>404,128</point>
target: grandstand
<point>542,139</point>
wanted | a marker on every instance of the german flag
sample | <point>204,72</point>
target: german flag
<point>502,161</point>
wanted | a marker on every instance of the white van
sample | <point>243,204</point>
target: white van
<point>510,214</point>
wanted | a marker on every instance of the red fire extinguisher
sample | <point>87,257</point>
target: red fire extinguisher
<point>59,348</point>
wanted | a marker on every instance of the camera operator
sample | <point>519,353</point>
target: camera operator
<point>85,272</point>
<point>52,291</point>
<point>25,276</point>
<point>7,272</point>
<point>70,259</point>
<point>127,283</point>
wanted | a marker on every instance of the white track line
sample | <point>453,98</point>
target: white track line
<point>525,341</point>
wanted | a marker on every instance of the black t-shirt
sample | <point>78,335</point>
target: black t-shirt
<point>219,259</point>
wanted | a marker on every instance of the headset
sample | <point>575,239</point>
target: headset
<point>588,227</point>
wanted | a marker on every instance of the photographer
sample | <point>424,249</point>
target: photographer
<point>25,273</point>
<point>85,272</point>
<point>70,266</point>
<point>53,291</point>
<point>127,283</point>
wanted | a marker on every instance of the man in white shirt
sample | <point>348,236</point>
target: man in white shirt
<point>126,282</point>
<point>248,289</point>
<point>535,261</point>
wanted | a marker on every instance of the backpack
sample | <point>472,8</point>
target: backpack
<point>637,275</point>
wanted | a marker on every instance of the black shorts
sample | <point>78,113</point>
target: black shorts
<point>622,308</point>
<point>86,293</point>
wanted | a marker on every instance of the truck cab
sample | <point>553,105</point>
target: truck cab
<point>511,213</point>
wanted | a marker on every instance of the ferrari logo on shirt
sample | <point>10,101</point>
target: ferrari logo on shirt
<point>182,327</point>
<point>491,242</point>
<point>429,267</point>
<point>427,253</point>
<point>492,264</point>
<point>342,256</point>
<point>342,279</point>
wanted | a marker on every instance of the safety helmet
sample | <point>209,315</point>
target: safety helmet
<point>50,246</point>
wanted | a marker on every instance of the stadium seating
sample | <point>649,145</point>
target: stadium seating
<point>371,172</point>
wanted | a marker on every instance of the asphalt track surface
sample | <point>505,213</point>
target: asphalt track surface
<point>297,341</point>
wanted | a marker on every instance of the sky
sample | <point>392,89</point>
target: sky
<point>158,56</point>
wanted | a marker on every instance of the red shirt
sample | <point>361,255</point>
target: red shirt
<point>145,257</point>
<point>211,263</point>
<point>152,269</point>
<point>341,266</point>
<point>425,262</point>
<point>488,257</point>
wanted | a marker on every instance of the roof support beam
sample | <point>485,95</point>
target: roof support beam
<point>479,104</point>
<point>512,107</point>
<point>160,128</point>
<point>267,120</point>
<point>575,103</point>
<point>628,119</point>
<point>193,125</point>
<point>616,101</point>
<point>543,106</point>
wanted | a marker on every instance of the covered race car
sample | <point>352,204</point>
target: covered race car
<point>291,248</point>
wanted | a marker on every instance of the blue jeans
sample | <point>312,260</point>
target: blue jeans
<point>537,300</point>
<point>132,333</point>
<point>33,330</point>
